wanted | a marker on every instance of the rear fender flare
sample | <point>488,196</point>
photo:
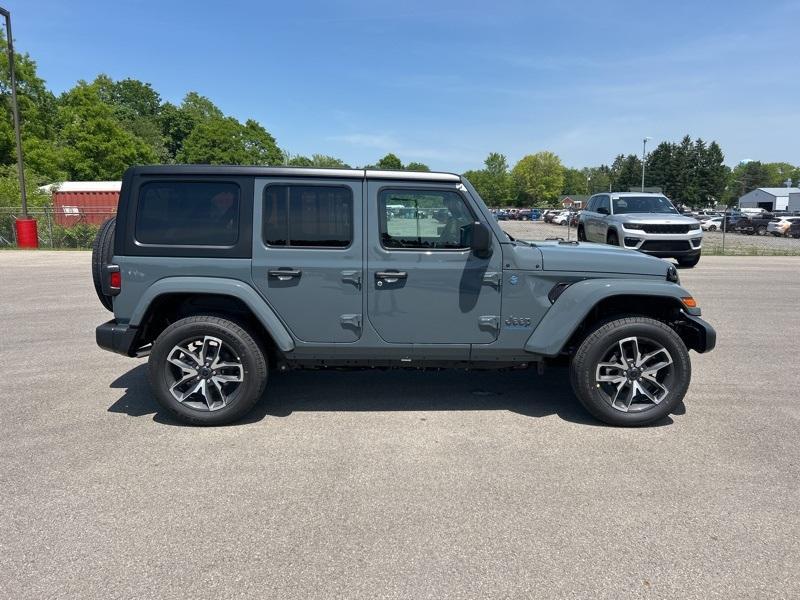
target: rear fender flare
<point>223,287</point>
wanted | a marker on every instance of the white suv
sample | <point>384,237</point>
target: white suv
<point>642,221</point>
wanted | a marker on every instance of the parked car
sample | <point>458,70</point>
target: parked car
<point>536,214</point>
<point>780,225</point>
<point>549,215</point>
<point>227,276</point>
<point>729,222</point>
<point>711,224</point>
<point>524,214</point>
<point>562,218</point>
<point>753,224</point>
<point>642,221</point>
<point>794,230</point>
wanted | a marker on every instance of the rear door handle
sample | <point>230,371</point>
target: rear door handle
<point>284,274</point>
<point>390,276</point>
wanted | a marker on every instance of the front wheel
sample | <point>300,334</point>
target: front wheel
<point>207,370</point>
<point>712,227</point>
<point>581,234</point>
<point>612,239</point>
<point>631,371</point>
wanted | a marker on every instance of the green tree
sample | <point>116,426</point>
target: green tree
<point>626,173</point>
<point>493,182</point>
<point>225,141</point>
<point>93,144</point>
<point>575,182</point>
<point>417,166</point>
<point>390,161</point>
<point>316,160</point>
<point>37,105</point>
<point>539,177</point>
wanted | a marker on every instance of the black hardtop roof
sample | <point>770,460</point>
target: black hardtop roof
<point>305,172</point>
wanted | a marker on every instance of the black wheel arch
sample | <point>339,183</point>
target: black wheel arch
<point>667,309</point>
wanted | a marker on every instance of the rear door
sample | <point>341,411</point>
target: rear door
<point>307,255</point>
<point>424,284</point>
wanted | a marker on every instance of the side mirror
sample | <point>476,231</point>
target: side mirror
<point>603,210</point>
<point>480,239</point>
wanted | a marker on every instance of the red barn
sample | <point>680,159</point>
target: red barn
<point>89,202</point>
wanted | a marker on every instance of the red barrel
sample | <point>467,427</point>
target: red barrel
<point>27,234</point>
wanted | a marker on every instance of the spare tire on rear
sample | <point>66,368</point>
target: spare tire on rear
<point>102,254</point>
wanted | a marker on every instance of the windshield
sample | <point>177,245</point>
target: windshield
<point>643,204</point>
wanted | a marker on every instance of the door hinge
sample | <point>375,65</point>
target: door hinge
<point>353,277</point>
<point>489,322</point>
<point>492,278</point>
<point>351,321</point>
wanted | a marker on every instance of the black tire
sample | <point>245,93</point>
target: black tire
<point>236,341</point>
<point>581,234</point>
<point>102,254</point>
<point>762,230</point>
<point>584,366</point>
<point>612,239</point>
<point>689,261</point>
<point>712,227</point>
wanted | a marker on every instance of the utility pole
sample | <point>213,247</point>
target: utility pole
<point>15,111</point>
<point>27,236</point>
<point>644,154</point>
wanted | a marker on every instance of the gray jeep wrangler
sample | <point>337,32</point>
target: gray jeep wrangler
<point>225,274</point>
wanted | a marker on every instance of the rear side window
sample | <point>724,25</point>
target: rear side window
<point>308,216</point>
<point>184,213</point>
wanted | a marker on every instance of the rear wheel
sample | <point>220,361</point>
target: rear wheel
<point>631,371</point>
<point>762,230</point>
<point>102,255</point>
<point>207,370</point>
<point>712,227</point>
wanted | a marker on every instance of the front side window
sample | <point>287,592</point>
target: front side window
<point>428,219</point>
<point>604,202</point>
<point>188,213</point>
<point>643,204</point>
<point>308,216</point>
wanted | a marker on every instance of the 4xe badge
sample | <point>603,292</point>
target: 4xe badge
<point>513,280</point>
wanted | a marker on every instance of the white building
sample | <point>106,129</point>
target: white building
<point>782,198</point>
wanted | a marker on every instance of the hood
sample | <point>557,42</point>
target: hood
<point>656,218</point>
<point>591,258</point>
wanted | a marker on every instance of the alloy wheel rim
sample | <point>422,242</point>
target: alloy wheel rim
<point>635,374</point>
<point>204,374</point>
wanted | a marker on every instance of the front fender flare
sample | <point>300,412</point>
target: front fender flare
<point>222,287</point>
<point>573,305</point>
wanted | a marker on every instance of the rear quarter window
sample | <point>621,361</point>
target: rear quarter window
<point>188,213</point>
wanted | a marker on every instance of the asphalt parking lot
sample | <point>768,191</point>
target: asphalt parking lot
<point>400,484</point>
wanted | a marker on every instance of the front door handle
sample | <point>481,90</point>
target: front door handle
<point>284,274</point>
<point>390,276</point>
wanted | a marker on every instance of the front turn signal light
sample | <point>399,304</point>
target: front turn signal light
<point>689,302</point>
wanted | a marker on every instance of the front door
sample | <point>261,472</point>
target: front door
<point>424,285</point>
<point>307,255</point>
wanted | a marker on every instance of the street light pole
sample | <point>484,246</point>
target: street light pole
<point>644,153</point>
<point>15,112</point>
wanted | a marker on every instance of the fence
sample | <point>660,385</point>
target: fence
<point>65,227</point>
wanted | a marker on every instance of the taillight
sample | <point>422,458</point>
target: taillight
<point>114,279</point>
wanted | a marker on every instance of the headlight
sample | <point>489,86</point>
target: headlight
<point>633,225</point>
<point>672,274</point>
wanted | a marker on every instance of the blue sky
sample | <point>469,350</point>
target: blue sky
<point>446,83</point>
